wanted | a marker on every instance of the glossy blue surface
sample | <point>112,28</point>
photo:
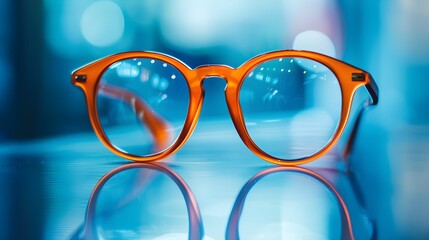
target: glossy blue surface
<point>45,185</point>
<point>49,184</point>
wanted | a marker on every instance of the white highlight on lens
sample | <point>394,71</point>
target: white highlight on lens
<point>173,76</point>
<point>314,41</point>
<point>127,70</point>
<point>312,66</point>
<point>102,23</point>
<point>115,65</point>
<point>163,97</point>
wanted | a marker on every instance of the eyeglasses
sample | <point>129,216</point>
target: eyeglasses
<point>289,107</point>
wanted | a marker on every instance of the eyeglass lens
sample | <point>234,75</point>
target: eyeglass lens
<point>133,92</point>
<point>291,106</point>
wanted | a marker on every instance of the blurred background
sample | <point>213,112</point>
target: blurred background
<point>42,41</point>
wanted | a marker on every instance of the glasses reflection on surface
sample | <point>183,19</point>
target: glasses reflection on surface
<point>299,216</point>
<point>136,202</point>
<point>145,201</point>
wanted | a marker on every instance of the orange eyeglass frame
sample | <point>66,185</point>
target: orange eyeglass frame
<point>88,77</point>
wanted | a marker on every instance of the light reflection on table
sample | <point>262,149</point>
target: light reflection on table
<point>59,175</point>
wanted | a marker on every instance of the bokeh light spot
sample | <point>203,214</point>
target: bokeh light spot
<point>102,23</point>
<point>314,41</point>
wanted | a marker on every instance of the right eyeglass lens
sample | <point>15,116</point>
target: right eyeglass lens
<point>291,106</point>
<point>142,105</point>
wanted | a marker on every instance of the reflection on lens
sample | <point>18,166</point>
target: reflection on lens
<point>291,106</point>
<point>142,105</point>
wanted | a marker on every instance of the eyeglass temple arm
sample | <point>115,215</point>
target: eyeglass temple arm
<point>372,89</point>
<point>156,124</point>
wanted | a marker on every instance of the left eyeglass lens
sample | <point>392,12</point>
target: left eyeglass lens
<point>142,105</point>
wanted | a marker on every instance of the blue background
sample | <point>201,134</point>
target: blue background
<point>42,41</point>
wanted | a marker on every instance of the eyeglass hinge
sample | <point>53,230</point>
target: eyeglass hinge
<point>358,77</point>
<point>80,78</point>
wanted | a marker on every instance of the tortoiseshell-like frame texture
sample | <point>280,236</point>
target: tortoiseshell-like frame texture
<point>350,79</point>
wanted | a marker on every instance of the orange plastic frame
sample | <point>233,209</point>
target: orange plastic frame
<point>88,78</point>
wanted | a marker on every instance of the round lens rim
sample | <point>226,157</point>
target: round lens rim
<point>106,135</point>
<point>279,160</point>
